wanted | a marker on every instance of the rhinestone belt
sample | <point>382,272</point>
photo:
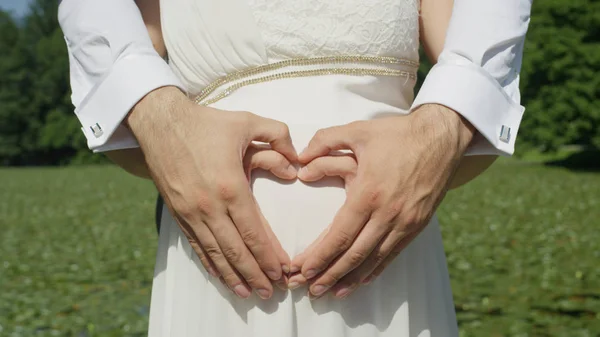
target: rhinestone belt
<point>317,66</point>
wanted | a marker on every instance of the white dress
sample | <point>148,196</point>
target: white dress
<point>350,60</point>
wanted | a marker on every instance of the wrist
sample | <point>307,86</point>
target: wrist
<point>454,127</point>
<point>155,109</point>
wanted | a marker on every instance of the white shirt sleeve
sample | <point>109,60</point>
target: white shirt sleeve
<point>477,73</point>
<point>113,65</point>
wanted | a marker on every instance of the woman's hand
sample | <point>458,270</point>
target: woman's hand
<point>405,165</point>
<point>195,156</point>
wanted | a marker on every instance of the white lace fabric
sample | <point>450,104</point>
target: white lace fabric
<point>208,39</point>
<point>313,28</point>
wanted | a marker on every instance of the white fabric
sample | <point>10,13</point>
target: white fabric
<point>477,73</point>
<point>486,34</point>
<point>412,297</point>
<point>112,66</point>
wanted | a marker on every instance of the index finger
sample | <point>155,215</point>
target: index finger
<point>346,225</point>
<point>275,133</point>
<point>330,139</point>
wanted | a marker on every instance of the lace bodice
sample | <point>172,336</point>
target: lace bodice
<point>302,28</point>
<point>208,39</point>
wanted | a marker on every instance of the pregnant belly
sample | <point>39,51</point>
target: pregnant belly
<point>298,212</point>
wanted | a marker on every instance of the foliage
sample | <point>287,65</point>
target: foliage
<point>559,83</point>
<point>77,255</point>
<point>37,125</point>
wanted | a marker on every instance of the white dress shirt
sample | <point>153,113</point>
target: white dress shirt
<point>113,65</point>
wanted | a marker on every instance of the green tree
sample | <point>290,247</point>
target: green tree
<point>12,85</point>
<point>38,126</point>
<point>560,82</point>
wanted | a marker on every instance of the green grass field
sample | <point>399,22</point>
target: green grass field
<point>77,248</point>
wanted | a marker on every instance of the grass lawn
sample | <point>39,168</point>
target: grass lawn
<point>77,250</point>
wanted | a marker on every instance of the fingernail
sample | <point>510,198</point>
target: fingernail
<point>292,170</point>
<point>263,293</point>
<point>294,269</point>
<point>297,279</point>
<point>368,279</point>
<point>241,291</point>
<point>282,283</point>
<point>318,290</point>
<point>312,297</point>
<point>310,273</point>
<point>273,275</point>
<point>285,268</point>
<point>293,285</point>
<point>345,291</point>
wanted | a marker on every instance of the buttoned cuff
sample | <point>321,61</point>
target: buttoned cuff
<point>105,107</point>
<point>479,98</point>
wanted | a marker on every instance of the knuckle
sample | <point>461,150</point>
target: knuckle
<point>379,257</point>
<point>203,204</point>
<point>231,279</point>
<point>283,130</point>
<point>214,252</point>
<point>372,197</point>
<point>245,117</point>
<point>232,254</point>
<point>359,131</point>
<point>226,190</point>
<point>356,257</point>
<point>320,135</point>
<point>186,211</point>
<point>395,209</point>
<point>356,124</point>
<point>253,279</point>
<point>344,240</point>
<point>322,261</point>
<point>251,237</point>
<point>411,220</point>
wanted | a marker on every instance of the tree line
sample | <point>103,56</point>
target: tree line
<point>560,84</point>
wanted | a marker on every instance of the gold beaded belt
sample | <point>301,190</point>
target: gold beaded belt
<point>306,67</point>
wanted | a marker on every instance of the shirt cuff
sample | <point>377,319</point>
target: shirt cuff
<point>479,98</point>
<point>103,110</point>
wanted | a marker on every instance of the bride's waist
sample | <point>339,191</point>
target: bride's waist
<point>325,100</point>
<point>323,93</point>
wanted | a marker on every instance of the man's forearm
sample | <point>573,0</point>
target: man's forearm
<point>159,103</point>
<point>156,111</point>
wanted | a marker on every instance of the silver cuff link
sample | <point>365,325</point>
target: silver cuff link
<point>97,130</point>
<point>505,134</point>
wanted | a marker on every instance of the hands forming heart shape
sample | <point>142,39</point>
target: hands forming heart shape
<point>396,175</point>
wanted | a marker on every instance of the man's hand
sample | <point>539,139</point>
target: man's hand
<point>405,164</point>
<point>195,156</point>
